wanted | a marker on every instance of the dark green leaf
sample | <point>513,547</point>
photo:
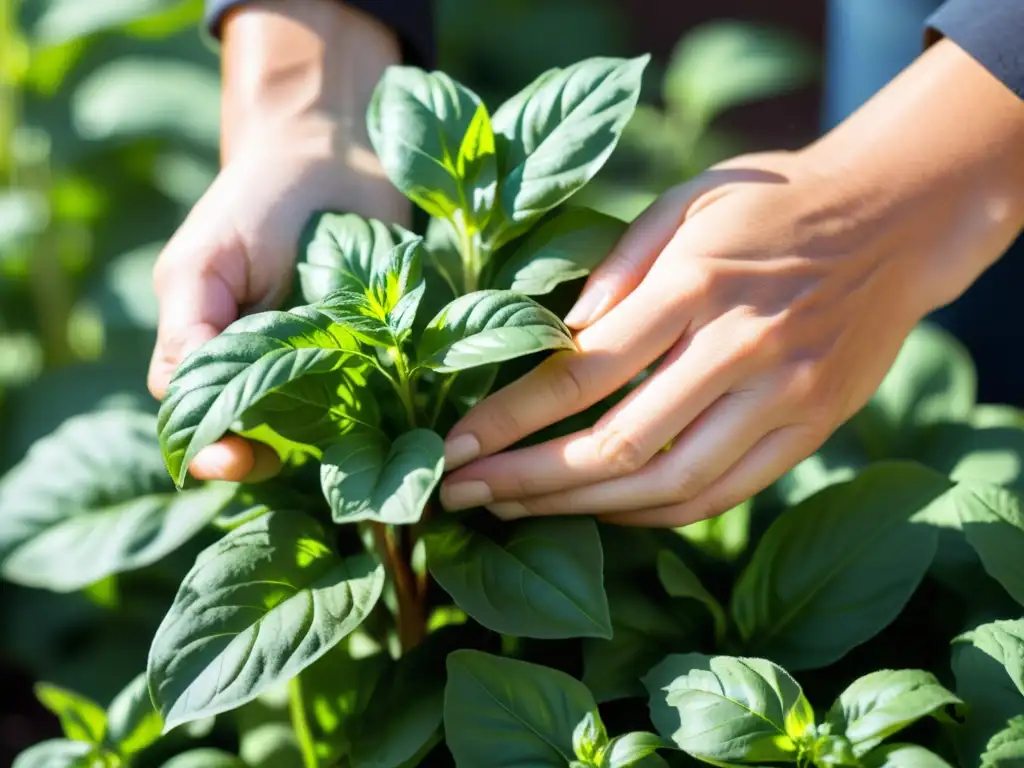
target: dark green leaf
<point>726,709</point>
<point>257,608</point>
<point>58,753</point>
<point>986,448</point>
<point>903,756</point>
<point>94,499</point>
<point>993,522</point>
<point>834,571</point>
<point>631,748</point>
<point>297,370</point>
<point>81,718</point>
<point>545,580</point>
<point>556,134</point>
<point>502,712</point>
<point>679,581</point>
<point>566,247</point>
<point>134,723</point>
<point>367,477</point>
<point>881,703</point>
<point>205,758</point>
<point>471,386</point>
<point>490,327</point>
<point>1006,748</point>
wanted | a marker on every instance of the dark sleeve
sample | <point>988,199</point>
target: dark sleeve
<point>411,20</point>
<point>991,31</point>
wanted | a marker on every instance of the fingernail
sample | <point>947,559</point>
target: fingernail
<point>588,307</point>
<point>507,510</point>
<point>460,450</point>
<point>472,493</point>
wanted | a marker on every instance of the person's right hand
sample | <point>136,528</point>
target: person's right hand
<point>288,155</point>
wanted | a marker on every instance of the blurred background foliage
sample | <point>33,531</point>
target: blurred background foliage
<point>109,121</point>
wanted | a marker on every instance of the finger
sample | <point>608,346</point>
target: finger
<point>704,452</point>
<point>236,460</point>
<point>629,339</point>
<point>774,455</point>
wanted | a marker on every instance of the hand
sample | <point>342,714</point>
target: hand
<point>772,293</point>
<point>292,146</point>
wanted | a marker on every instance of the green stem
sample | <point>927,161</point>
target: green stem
<point>472,261</point>
<point>442,395</point>
<point>300,723</point>
<point>404,388</point>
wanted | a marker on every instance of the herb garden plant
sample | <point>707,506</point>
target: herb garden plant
<point>865,611</point>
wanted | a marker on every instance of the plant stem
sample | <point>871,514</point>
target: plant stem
<point>411,619</point>
<point>300,723</point>
<point>472,261</point>
<point>404,388</point>
<point>442,395</point>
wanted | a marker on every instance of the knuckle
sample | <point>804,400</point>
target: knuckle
<point>620,451</point>
<point>687,482</point>
<point>565,382</point>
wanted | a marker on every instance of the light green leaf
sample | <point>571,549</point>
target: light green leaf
<point>94,499</point>
<point>589,738</point>
<point>502,712</point>
<point>270,745</point>
<point>544,580</point>
<point>903,756</point>
<point>724,536</point>
<point>556,134</point>
<point>993,523</point>
<point>679,581</point>
<point>489,327</point>
<point>257,608</point>
<point>359,314</point>
<point>1006,748</point>
<point>367,477</point>
<point>727,709</point>
<point>58,753</point>
<point>134,723</point>
<point>566,247</point>
<point>297,371</point>
<point>631,749</point>
<point>434,140</point>
<point>81,718</point>
<point>205,758</point>
<point>61,21</point>
<point>341,251</point>
<point>835,570</point>
<point>986,448</point>
<point>24,214</point>
<point>881,703</point>
<point>443,255</point>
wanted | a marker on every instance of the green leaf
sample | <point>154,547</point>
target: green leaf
<point>566,247</point>
<point>725,536</point>
<point>443,255</point>
<point>1006,748</point>
<point>987,448</point>
<point>679,581</point>
<point>556,134</point>
<point>81,718</point>
<point>134,723</point>
<point>367,477</point>
<point>58,753</point>
<point>903,756</point>
<point>993,523</point>
<point>61,21</point>
<point>358,313</point>
<point>835,570</point>
<point>589,738</point>
<point>93,499</point>
<point>726,709</point>
<point>503,712</point>
<point>296,370</point>
<point>405,711</point>
<point>632,748</point>
<point>257,608</point>
<point>881,703</point>
<point>545,580</point>
<point>341,251</point>
<point>435,142</point>
<point>489,327</point>
<point>205,758</point>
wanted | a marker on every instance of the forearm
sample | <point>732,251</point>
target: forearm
<point>938,152</point>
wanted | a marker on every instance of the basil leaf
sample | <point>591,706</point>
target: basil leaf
<point>435,142</point>
<point>881,703</point>
<point>501,712</point>
<point>726,709</point>
<point>205,758</point>
<point>992,520</point>
<point>357,313</point>
<point>1006,748</point>
<point>489,327</point>
<point>57,753</point>
<point>835,570</point>
<point>903,756</point>
<point>986,448</point>
<point>93,499</point>
<point>443,254</point>
<point>367,477</point>
<point>296,370</point>
<point>556,134</point>
<point>134,723</point>
<point>341,251</point>
<point>679,581</point>
<point>589,738</point>
<point>81,718</point>
<point>631,748</point>
<point>257,608</point>
<point>544,581</point>
<point>565,248</point>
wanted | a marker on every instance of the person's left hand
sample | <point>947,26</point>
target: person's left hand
<point>776,300</point>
